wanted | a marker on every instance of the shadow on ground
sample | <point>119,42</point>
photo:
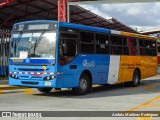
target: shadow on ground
<point>110,90</point>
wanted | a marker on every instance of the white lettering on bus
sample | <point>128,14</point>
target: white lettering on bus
<point>88,63</point>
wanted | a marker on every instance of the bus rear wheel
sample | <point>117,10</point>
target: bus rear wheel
<point>44,90</point>
<point>135,80</point>
<point>84,85</point>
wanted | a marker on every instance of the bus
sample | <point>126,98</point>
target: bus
<point>48,54</point>
<point>158,45</point>
<point>4,56</point>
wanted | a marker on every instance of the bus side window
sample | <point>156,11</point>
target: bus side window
<point>125,46</point>
<point>141,46</point>
<point>102,44</point>
<point>150,48</point>
<point>116,45</point>
<point>87,42</point>
<point>133,49</point>
<point>67,45</point>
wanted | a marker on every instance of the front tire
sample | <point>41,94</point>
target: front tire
<point>45,90</point>
<point>84,85</point>
<point>135,80</point>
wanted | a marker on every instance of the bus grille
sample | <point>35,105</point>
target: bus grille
<point>30,83</point>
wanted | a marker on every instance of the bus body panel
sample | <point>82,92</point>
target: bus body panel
<point>149,66</point>
<point>113,69</point>
<point>158,58</point>
<point>146,65</point>
<point>97,65</point>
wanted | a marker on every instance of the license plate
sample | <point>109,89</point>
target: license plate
<point>47,83</point>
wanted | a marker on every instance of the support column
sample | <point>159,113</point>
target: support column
<point>62,10</point>
<point>5,2</point>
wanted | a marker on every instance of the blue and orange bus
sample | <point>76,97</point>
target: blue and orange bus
<point>51,54</point>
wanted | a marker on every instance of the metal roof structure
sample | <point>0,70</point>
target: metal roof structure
<point>21,10</point>
<point>155,33</point>
<point>150,32</point>
<point>75,2</point>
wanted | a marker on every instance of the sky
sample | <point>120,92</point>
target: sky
<point>140,16</point>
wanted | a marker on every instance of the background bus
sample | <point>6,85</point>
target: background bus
<point>158,51</point>
<point>4,52</point>
<point>50,54</point>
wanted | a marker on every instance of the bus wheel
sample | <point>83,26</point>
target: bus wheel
<point>44,90</point>
<point>84,85</point>
<point>135,80</point>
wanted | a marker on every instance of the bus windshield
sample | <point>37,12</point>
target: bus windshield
<point>40,44</point>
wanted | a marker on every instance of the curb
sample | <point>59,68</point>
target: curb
<point>7,87</point>
<point>4,86</point>
<point>10,89</point>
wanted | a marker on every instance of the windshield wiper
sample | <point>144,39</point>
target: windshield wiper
<point>38,40</point>
<point>17,41</point>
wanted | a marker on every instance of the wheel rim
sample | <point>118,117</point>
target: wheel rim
<point>83,84</point>
<point>136,79</point>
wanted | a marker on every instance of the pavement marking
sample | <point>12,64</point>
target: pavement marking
<point>149,87</point>
<point>6,87</point>
<point>145,104</point>
<point>133,87</point>
<point>28,91</point>
<point>1,91</point>
<point>144,118</point>
<point>152,106</point>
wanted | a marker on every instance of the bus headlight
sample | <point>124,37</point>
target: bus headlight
<point>14,76</point>
<point>52,77</point>
<point>49,77</point>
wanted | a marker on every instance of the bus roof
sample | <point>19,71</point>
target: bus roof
<point>95,29</point>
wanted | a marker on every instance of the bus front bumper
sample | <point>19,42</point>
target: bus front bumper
<point>33,84</point>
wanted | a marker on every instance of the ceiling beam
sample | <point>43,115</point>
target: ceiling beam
<point>78,2</point>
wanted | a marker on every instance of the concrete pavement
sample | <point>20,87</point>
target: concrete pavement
<point>146,97</point>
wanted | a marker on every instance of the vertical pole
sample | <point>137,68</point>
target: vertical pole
<point>59,8</point>
<point>68,12</point>
<point>62,10</point>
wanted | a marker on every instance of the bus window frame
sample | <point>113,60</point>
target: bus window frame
<point>87,43</point>
<point>115,46</point>
<point>106,44</point>
<point>59,40</point>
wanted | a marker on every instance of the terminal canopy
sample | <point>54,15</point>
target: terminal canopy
<point>24,10</point>
<point>77,2</point>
